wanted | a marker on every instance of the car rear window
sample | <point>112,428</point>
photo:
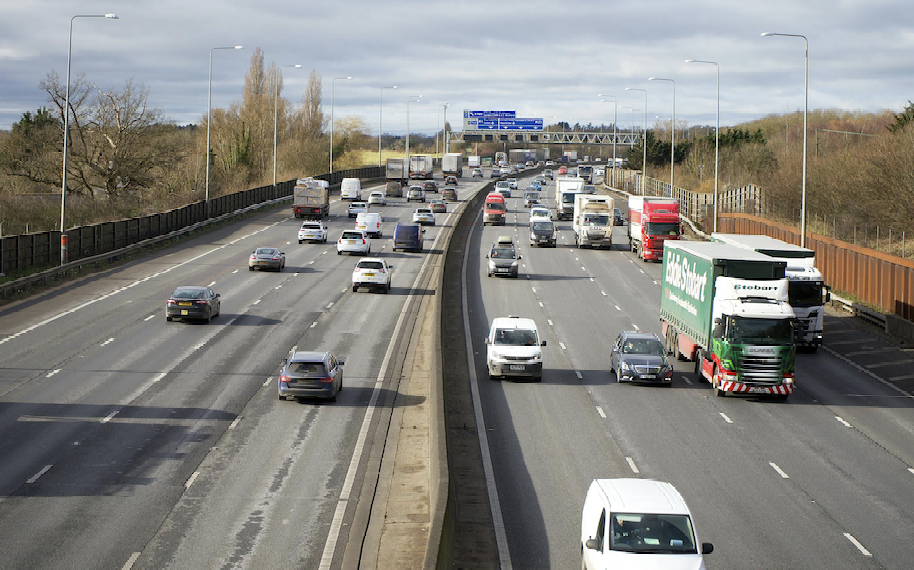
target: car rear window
<point>308,369</point>
<point>311,226</point>
<point>188,294</point>
<point>352,235</point>
<point>370,265</point>
<point>265,251</point>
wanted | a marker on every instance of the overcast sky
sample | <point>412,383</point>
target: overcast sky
<point>541,59</point>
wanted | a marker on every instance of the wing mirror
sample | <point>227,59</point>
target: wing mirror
<point>340,362</point>
<point>487,340</point>
<point>707,548</point>
<point>217,296</point>
<point>543,343</point>
<point>594,544</point>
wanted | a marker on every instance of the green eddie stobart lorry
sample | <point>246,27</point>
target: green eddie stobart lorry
<point>726,308</point>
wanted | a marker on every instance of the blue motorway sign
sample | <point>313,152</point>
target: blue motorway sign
<point>520,124</point>
<point>488,114</point>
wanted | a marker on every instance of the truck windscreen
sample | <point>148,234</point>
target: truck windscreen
<point>661,229</point>
<point>776,332</point>
<point>596,220</point>
<point>804,293</point>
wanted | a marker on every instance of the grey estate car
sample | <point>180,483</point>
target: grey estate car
<point>310,374</point>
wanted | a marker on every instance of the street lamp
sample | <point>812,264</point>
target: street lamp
<point>643,140</point>
<point>408,101</point>
<point>444,106</point>
<point>805,109</point>
<point>380,120</point>
<point>332,81</point>
<point>631,142</point>
<point>716,134</point>
<point>615,118</point>
<point>276,114</point>
<point>672,129</point>
<point>209,121</point>
<point>66,134</point>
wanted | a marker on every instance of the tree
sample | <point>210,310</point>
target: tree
<point>902,120</point>
<point>307,152</point>
<point>33,148</point>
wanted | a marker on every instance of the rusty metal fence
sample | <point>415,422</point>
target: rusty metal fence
<point>21,253</point>
<point>878,279</point>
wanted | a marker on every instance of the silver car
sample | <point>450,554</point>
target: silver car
<point>639,356</point>
<point>503,258</point>
<point>193,302</point>
<point>267,258</point>
<point>310,374</point>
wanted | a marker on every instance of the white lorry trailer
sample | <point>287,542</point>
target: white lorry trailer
<point>452,164</point>
<point>421,166</point>
<point>806,291</point>
<point>565,189</point>
<point>593,220</point>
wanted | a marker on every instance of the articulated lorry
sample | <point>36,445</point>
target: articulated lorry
<point>452,164</point>
<point>565,189</point>
<point>593,220</point>
<point>397,177</point>
<point>726,308</point>
<point>586,172</point>
<point>311,199</point>
<point>652,220</point>
<point>807,292</point>
<point>421,166</point>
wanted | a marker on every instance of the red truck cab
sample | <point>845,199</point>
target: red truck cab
<point>651,223</point>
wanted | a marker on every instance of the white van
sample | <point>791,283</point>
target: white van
<point>638,523</point>
<point>351,189</point>
<point>513,348</point>
<point>369,223</point>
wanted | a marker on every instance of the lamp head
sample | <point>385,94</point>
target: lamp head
<point>239,47</point>
<point>767,34</point>
<point>394,87</point>
<point>112,16</point>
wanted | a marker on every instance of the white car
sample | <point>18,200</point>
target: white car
<point>353,241</point>
<point>512,183</point>
<point>371,272</point>
<point>638,523</point>
<point>513,348</point>
<point>539,212</point>
<point>424,216</point>
<point>378,198</point>
<point>312,231</point>
<point>357,208</point>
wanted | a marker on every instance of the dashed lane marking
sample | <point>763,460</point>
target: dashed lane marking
<point>330,304</point>
<point>267,381</point>
<point>549,322</point>
<point>562,345</point>
<point>131,561</point>
<point>856,543</point>
<point>726,418</point>
<point>779,470</point>
<point>35,477</point>
<point>618,308</point>
<point>236,271</point>
<point>686,380</point>
<point>150,317</point>
<point>256,302</point>
<point>541,303</point>
<point>578,374</point>
<point>211,284</point>
<point>631,463</point>
<point>235,422</point>
<point>191,480</point>
<point>107,418</point>
<point>601,412</point>
<point>843,421</point>
<point>53,372</point>
<point>603,293</point>
<point>107,342</point>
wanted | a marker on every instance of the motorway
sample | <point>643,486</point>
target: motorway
<point>822,480</point>
<point>129,441</point>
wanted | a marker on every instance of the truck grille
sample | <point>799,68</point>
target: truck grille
<point>761,370</point>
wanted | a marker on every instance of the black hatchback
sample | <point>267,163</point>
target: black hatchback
<point>199,303</point>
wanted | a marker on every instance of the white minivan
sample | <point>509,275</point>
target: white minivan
<point>638,523</point>
<point>369,223</point>
<point>351,189</point>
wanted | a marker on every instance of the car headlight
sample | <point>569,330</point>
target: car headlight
<point>538,357</point>
<point>514,263</point>
<point>495,355</point>
<point>625,365</point>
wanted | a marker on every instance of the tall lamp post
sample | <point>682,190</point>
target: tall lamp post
<point>643,141</point>
<point>805,134</point>
<point>672,129</point>
<point>408,101</point>
<point>380,120</point>
<point>716,134</point>
<point>209,110</point>
<point>615,119</point>
<point>276,115</point>
<point>444,106</point>
<point>332,81</point>
<point>631,143</point>
<point>66,134</point>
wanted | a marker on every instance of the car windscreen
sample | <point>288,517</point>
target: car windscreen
<point>498,206</point>
<point>516,337</point>
<point>646,346</point>
<point>652,534</point>
<point>370,265</point>
<point>771,332</point>
<point>567,198</point>
<point>308,369</point>
<point>503,253</point>
<point>532,196</point>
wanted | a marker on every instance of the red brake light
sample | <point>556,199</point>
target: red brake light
<point>283,379</point>
<point>327,380</point>
<point>171,301</point>
<point>201,302</point>
<point>275,258</point>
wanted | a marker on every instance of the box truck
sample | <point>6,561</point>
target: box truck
<point>593,220</point>
<point>652,220</point>
<point>565,189</point>
<point>452,164</point>
<point>421,166</point>
<point>807,292</point>
<point>397,177</point>
<point>474,162</point>
<point>726,308</point>
<point>311,199</point>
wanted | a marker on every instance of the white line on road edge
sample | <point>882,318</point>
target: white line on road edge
<point>236,420</point>
<point>501,537</point>
<point>191,480</point>
<point>578,374</point>
<point>336,523</point>
<point>843,421</point>
<point>39,474</point>
<point>562,345</point>
<point>779,470</point>
<point>856,543</point>
<point>52,372</point>
<point>726,418</point>
<point>149,317</point>
<point>631,463</point>
<point>131,561</point>
<point>602,414</point>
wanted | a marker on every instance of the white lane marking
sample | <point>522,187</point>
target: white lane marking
<point>583,268</point>
<point>642,271</point>
<point>295,275</point>
<point>911,469</point>
<point>288,242</point>
<point>631,463</point>
<point>858,367</point>
<point>779,470</point>
<point>603,293</point>
<point>107,418</point>
<point>726,418</point>
<point>541,303</point>
<point>655,282</point>
<point>591,278</point>
<point>267,381</point>
<point>336,524</point>
<point>843,421</point>
<point>150,317</point>
<point>617,307</point>
<point>236,271</point>
<point>107,342</point>
<point>635,327</point>
<point>549,322</point>
<point>562,345</point>
<point>191,480</point>
<point>578,374</point>
<point>234,422</point>
<point>576,258</point>
<point>257,302</point>
<point>314,324</point>
<point>856,543</point>
<point>35,477</point>
<point>311,262</point>
<point>533,289</point>
<point>323,253</point>
<point>131,561</point>
<point>53,372</point>
<point>329,304</point>
<point>601,412</point>
<point>211,284</point>
<point>278,287</point>
<point>686,380</point>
